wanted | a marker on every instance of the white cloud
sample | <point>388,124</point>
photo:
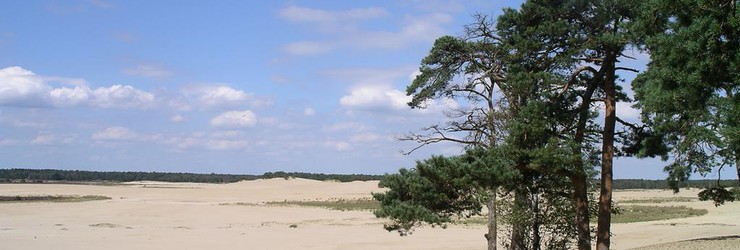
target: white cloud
<point>301,14</point>
<point>414,74</point>
<point>345,126</point>
<point>65,97</point>
<point>338,145</point>
<point>417,29</point>
<point>115,134</point>
<point>21,87</point>
<point>215,144</point>
<point>149,71</point>
<point>243,118</point>
<point>364,137</point>
<point>177,118</point>
<point>309,112</point>
<point>46,138</point>
<point>119,96</point>
<point>345,33</point>
<point>227,134</point>
<point>219,140</point>
<point>222,96</point>
<point>375,98</point>
<point>29,124</point>
<point>308,48</point>
<point>626,112</point>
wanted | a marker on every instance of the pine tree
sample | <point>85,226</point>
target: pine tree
<point>689,93</point>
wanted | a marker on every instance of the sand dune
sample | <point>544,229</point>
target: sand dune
<point>159,215</point>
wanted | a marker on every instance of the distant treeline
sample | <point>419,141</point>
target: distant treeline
<point>53,175</point>
<point>663,184</point>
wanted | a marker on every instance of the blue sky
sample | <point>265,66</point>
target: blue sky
<point>224,86</point>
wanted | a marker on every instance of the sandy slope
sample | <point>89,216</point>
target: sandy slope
<point>151,215</point>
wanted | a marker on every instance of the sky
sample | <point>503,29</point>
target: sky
<point>241,87</point>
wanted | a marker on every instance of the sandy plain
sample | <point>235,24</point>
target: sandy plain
<point>152,215</point>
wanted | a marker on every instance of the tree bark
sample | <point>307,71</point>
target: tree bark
<point>492,234</point>
<point>517,234</point>
<point>582,219</point>
<point>607,156</point>
<point>578,178</point>
<point>737,166</point>
<point>536,238</point>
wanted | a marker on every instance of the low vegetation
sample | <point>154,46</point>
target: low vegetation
<point>334,204</point>
<point>628,214</point>
<point>660,200</point>
<point>17,175</point>
<point>51,198</point>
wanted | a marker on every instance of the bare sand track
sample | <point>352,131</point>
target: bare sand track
<point>154,215</point>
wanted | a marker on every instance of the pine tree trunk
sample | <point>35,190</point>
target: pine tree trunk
<point>491,236</point>
<point>536,238</point>
<point>582,220</point>
<point>517,230</point>
<point>579,180</point>
<point>607,156</point>
<point>737,167</point>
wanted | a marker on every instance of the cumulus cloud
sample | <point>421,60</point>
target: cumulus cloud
<point>375,98</point>
<point>119,96</point>
<point>222,96</point>
<point>21,87</point>
<point>244,118</point>
<point>65,97</point>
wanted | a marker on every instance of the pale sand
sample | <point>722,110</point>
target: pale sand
<point>152,215</point>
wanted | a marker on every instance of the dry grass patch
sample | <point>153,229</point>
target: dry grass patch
<point>628,214</point>
<point>51,198</point>
<point>334,204</point>
<point>659,200</point>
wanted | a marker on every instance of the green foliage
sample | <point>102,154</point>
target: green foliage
<point>719,195</point>
<point>438,189</point>
<point>689,93</point>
